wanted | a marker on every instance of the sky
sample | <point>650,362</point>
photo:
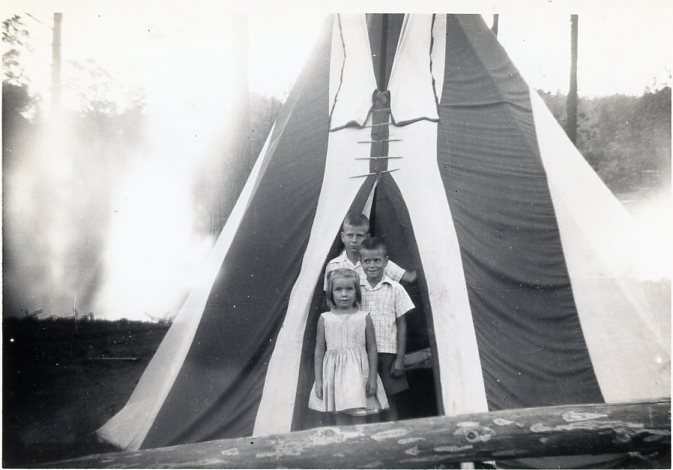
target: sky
<point>181,56</point>
<point>623,49</point>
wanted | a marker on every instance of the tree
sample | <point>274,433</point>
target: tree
<point>626,139</point>
<point>60,218</point>
<point>15,36</point>
<point>17,101</point>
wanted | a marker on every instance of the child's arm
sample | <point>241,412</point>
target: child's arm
<point>318,357</point>
<point>372,355</point>
<point>403,305</point>
<point>397,273</point>
<point>398,364</point>
<point>408,277</point>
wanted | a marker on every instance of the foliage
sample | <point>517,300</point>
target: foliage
<point>97,92</point>
<point>626,139</point>
<point>17,99</point>
<point>59,171</point>
<point>15,37</point>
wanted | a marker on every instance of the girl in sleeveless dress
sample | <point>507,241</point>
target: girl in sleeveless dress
<point>346,382</point>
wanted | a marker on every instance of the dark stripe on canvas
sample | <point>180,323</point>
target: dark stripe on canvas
<point>218,390</point>
<point>531,344</point>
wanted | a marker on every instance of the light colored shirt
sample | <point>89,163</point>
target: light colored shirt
<point>393,271</point>
<point>385,302</point>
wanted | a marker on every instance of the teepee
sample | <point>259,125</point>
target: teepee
<point>527,293</point>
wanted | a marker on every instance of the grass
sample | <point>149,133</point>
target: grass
<point>57,391</point>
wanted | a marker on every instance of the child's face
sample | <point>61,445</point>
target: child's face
<point>352,237</point>
<point>373,263</point>
<point>343,293</point>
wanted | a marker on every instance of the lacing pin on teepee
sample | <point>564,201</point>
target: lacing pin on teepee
<point>379,137</point>
<point>379,173</point>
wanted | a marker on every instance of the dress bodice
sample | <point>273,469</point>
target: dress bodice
<point>346,330</point>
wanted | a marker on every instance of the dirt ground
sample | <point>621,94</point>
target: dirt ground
<point>61,382</point>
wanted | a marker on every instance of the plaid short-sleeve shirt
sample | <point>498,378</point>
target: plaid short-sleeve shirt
<point>385,302</point>
<point>393,271</point>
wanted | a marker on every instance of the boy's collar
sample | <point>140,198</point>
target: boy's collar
<point>344,257</point>
<point>384,279</point>
<point>357,258</point>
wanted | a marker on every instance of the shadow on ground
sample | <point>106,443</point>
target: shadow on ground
<point>62,381</point>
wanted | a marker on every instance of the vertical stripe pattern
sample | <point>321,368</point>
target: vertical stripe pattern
<point>513,263</point>
<point>530,339</point>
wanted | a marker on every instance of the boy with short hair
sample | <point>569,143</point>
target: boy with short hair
<point>388,303</point>
<point>354,230</point>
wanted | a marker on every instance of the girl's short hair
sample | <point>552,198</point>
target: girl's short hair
<point>343,273</point>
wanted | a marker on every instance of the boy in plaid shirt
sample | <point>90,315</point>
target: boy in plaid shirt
<point>387,302</point>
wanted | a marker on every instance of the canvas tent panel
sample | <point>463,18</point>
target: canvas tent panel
<point>337,192</point>
<point>413,102</point>
<point>341,184</point>
<point>249,298</point>
<point>384,32</point>
<point>530,341</point>
<point>303,417</point>
<point>411,71</point>
<point>438,54</point>
<point>502,249</point>
<point>627,331</point>
<point>350,97</point>
<point>457,354</point>
<point>458,368</point>
<point>129,427</point>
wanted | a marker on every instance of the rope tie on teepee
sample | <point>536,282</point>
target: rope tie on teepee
<point>380,136</point>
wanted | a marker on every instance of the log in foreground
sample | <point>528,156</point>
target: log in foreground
<point>426,442</point>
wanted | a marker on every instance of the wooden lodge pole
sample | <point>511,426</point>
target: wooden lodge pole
<point>425,442</point>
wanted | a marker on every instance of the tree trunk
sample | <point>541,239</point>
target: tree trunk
<point>571,104</point>
<point>56,64</point>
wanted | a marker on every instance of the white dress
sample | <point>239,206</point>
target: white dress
<point>346,368</point>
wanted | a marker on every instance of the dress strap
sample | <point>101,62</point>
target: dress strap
<point>364,313</point>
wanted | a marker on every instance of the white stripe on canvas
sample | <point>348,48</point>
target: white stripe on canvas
<point>337,193</point>
<point>626,328</point>
<point>421,185</point>
<point>129,427</point>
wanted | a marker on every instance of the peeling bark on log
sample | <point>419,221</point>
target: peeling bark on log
<point>426,442</point>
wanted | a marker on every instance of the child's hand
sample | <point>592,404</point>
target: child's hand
<point>397,367</point>
<point>371,387</point>
<point>318,390</point>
